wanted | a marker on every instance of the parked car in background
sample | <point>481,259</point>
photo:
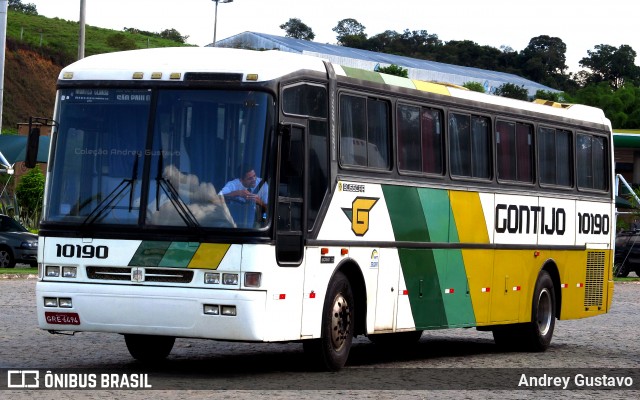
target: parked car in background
<point>627,255</point>
<point>17,244</point>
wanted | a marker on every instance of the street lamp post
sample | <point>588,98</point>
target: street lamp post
<point>81,34</point>
<point>215,21</point>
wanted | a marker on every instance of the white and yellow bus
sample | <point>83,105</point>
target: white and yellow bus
<point>375,205</point>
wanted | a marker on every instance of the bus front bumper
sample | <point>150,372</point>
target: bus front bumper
<point>149,310</point>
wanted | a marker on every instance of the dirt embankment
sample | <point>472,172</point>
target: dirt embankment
<point>29,84</point>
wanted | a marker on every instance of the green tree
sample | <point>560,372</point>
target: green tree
<point>548,95</point>
<point>394,70</point>
<point>350,33</point>
<point>295,28</point>
<point>474,86</point>
<point>512,91</point>
<point>611,64</point>
<point>19,6</point>
<point>544,60</point>
<point>174,35</point>
<point>30,192</point>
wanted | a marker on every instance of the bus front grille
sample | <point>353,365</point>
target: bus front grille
<point>595,278</point>
<point>167,275</point>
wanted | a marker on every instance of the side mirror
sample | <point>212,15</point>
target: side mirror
<point>33,142</point>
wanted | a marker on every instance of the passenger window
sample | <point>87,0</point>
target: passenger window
<point>555,157</point>
<point>364,132</point>
<point>514,148</point>
<point>469,147</point>
<point>419,139</point>
<point>591,153</point>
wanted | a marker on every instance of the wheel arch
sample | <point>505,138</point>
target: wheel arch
<point>551,268</point>
<point>352,271</point>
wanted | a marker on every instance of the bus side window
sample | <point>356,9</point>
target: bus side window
<point>364,132</point>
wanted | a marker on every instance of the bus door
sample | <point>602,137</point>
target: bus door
<point>290,210</point>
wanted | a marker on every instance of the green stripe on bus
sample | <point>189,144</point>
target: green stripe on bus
<point>436,279</point>
<point>452,272</point>
<point>362,74</point>
<point>436,209</point>
<point>179,254</point>
<point>149,253</point>
<point>425,294</point>
<point>406,213</point>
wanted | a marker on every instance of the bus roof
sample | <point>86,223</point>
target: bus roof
<point>172,63</point>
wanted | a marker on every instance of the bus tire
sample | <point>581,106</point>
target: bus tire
<point>538,333</point>
<point>535,335</point>
<point>149,348</point>
<point>331,351</point>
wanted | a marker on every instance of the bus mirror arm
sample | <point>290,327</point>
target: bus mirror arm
<point>33,140</point>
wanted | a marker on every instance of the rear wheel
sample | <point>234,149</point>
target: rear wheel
<point>149,348</point>
<point>331,351</point>
<point>535,335</point>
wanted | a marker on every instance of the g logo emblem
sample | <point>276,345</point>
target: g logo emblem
<point>359,214</point>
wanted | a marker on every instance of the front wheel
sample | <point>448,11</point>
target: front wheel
<point>149,348</point>
<point>332,349</point>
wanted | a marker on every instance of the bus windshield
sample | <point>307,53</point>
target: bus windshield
<point>121,158</point>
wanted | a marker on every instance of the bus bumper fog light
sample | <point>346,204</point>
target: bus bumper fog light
<point>252,279</point>
<point>229,310</point>
<point>52,271</point>
<point>51,302</point>
<point>212,278</point>
<point>65,302</point>
<point>69,272</point>
<point>212,309</point>
<point>230,279</point>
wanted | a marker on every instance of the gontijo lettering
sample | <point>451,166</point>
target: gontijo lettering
<point>530,219</point>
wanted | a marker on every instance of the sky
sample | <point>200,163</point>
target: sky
<point>581,24</point>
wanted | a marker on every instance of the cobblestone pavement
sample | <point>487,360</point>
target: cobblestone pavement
<point>607,341</point>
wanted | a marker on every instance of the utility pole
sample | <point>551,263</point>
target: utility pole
<point>215,20</point>
<point>81,35</point>
<point>4,6</point>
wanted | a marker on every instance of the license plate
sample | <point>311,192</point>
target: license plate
<point>60,318</point>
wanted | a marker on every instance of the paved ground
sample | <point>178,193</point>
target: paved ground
<point>608,341</point>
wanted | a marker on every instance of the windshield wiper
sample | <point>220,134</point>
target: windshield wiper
<point>112,199</point>
<point>174,197</point>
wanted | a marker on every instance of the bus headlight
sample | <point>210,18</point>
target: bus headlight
<point>212,278</point>
<point>65,302</point>
<point>229,310</point>
<point>51,302</point>
<point>69,272</point>
<point>230,279</point>
<point>211,309</point>
<point>52,271</point>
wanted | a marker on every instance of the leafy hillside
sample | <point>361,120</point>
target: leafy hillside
<point>39,47</point>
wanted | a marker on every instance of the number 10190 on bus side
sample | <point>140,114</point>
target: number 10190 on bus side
<point>265,197</point>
